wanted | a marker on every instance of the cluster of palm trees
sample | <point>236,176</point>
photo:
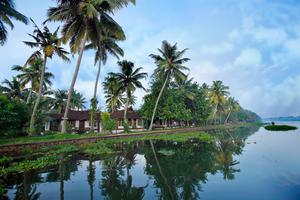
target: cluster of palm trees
<point>89,25</point>
<point>86,25</point>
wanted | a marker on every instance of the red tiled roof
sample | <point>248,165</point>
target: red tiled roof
<point>75,115</point>
<point>119,114</point>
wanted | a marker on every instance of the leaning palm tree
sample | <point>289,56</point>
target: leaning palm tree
<point>232,105</point>
<point>7,13</point>
<point>47,45</point>
<point>218,94</point>
<point>129,80</point>
<point>82,21</point>
<point>12,89</point>
<point>107,44</point>
<point>113,94</point>
<point>31,75</point>
<point>170,64</point>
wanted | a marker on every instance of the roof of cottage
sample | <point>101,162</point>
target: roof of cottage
<point>131,114</point>
<point>75,115</point>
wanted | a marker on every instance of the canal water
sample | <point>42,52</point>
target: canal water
<point>244,163</point>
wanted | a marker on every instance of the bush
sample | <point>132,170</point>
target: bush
<point>108,124</point>
<point>280,128</point>
<point>14,117</point>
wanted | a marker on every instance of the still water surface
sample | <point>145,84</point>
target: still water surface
<point>245,163</point>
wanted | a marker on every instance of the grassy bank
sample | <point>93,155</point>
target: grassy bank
<point>59,137</point>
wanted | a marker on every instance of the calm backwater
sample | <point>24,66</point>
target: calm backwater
<point>245,163</point>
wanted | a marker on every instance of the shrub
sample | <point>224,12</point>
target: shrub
<point>280,128</point>
<point>108,124</point>
<point>14,117</point>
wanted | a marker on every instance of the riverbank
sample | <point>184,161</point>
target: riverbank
<point>21,143</point>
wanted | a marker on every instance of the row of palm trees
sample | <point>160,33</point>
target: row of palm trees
<point>89,25</point>
<point>86,25</point>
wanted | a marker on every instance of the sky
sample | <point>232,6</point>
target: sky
<point>253,46</point>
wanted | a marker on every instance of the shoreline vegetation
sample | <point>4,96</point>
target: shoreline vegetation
<point>280,127</point>
<point>56,136</point>
<point>47,156</point>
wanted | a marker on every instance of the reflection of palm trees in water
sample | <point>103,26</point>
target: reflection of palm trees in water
<point>161,171</point>
<point>91,177</point>
<point>26,189</point>
<point>113,186</point>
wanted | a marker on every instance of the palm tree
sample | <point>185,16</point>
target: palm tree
<point>232,106</point>
<point>129,80</point>
<point>59,101</point>
<point>107,44</point>
<point>184,87</point>
<point>218,94</point>
<point>12,89</point>
<point>7,13</point>
<point>31,74</point>
<point>169,66</point>
<point>77,101</point>
<point>47,44</point>
<point>82,21</point>
<point>113,94</point>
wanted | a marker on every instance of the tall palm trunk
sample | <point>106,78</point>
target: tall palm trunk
<point>225,122</point>
<point>95,96</point>
<point>65,118</point>
<point>30,92</point>
<point>126,106</point>
<point>157,100</point>
<point>32,120</point>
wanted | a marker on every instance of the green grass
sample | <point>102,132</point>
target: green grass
<point>280,128</point>
<point>59,136</point>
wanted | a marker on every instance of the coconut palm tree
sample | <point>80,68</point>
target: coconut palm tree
<point>107,44</point>
<point>77,101</point>
<point>82,22</point>
<point>12,88</point>
<point>113,94</point>
<point>170,65</point>
<point>129,80</point>
<point>7,13</point>
<point>218,94</point>
<point>232,105</point>
<point>31,75</point>
<point>47,44</point>
<point>184,87</point>
<point>59,101</point>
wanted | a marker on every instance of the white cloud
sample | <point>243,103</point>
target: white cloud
<point>249,57</point>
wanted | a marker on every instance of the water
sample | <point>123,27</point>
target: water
<point>246,163</point>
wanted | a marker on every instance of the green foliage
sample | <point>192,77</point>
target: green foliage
<point>58,150</point>
<point>280,128</point>
<point>126,127</point>
<point>108,124</point>
<point>5,160</point>
<point>14,117</point>
<point>99,148</point>
<point>26,165</point>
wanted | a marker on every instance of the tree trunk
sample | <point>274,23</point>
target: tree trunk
<point>126,106</point>
<point>156,104</point>
<point>65,118</point>
<point>30,92</point>
<point>95,96</point>
<point>37,102</point>
<point>225,122</point>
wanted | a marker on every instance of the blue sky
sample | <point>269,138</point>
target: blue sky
<point>251,45</point>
